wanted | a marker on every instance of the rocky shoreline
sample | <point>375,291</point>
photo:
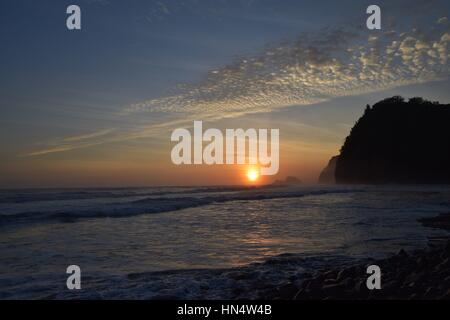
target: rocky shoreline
<point>422,274</point>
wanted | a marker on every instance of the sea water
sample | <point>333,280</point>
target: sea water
<point>177,241</point>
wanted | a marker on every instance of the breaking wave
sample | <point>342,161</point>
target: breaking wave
<point>73,206</point>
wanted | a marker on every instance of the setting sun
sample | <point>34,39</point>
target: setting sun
<point>252,174</point>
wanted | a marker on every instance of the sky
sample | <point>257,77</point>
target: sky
<point>96,107</point>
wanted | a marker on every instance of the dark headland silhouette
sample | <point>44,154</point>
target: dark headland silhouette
<point>327,174</point>
<point>395,142</point>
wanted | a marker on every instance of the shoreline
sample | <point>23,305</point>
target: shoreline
<point>418,274</point>
<point>421,274</point>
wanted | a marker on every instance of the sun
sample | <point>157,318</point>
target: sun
<point>252,175</point>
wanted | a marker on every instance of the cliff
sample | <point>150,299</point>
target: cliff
<point>327,174</point>
<point>398,142</point>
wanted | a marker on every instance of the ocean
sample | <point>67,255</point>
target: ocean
<point>200,242</point>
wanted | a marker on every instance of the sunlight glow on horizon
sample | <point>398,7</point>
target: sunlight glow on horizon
<point>252,175</point>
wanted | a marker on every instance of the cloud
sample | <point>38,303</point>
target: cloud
<point>313,68</point>
<point>74,142</point>
<point>88,136</point>
<point>443,20</point>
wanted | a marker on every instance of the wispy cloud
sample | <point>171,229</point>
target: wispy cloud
<point>74,142</point>
<point>88,136</point>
